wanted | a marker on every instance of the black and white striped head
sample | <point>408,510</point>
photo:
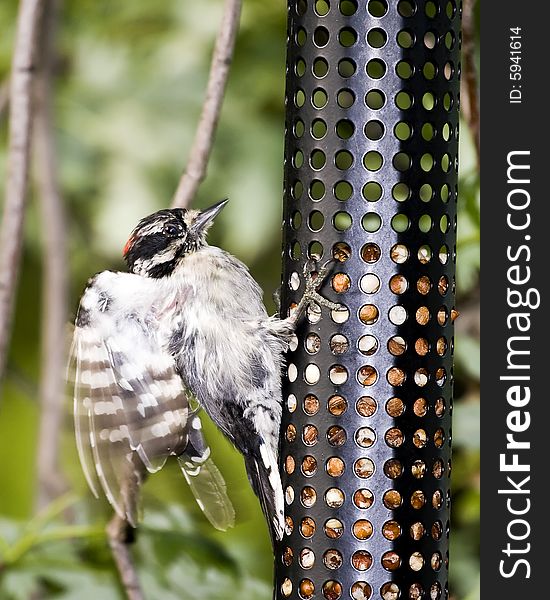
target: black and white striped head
<point>161,240</point>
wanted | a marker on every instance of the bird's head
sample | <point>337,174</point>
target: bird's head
<point>164,238</point>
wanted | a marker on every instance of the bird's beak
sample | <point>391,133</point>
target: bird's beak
<point>206,216</point>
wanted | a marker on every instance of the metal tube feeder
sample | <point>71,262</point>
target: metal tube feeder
<point>370,180</point>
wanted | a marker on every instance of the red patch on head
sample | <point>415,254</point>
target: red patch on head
<point>128,246</point>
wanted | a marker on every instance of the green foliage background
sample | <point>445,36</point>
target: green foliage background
<point>130,83</point>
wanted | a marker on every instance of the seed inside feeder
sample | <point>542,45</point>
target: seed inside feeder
<point>341,251</point>
<point>309,466</point>
<point>370,283</point>
<point>288,556</point>
<point>420,407</point>
<point>439,438</point>
<point>397,345</point>
<point>332,559</point>
<point>391,560</point>
<point>417,531</point>
<point>289,495</point>
<point>339,344</point>
<point>423,315</point>
<point>437,530</point>
<point>334,528</point>
<point>364,468</point>
<point>307,527</point>
<point>307,558</point>
<point>416,561</point>
<point>306,588</point>
<point>395,407</point>
<point>441,346</point>
<point>361,590</point>
<point>435,561</point>
<point>313,343</point>
<point>334,498</point>
<point>335,466</point>
<point>392,499</point>
<point>423,285</point>
<point>422,346</point>
<point>313,313</point>
<point>399,253</point>
<point>439,407</point>
<point>366,406</point>
<point>435,591</point>
<point>398,284</point>
<point>291,433</point>
<point>290,464</point>
<point>368,314</point>
<point>310,435</point>
<point>289,525</point>
<point>338,375</point>
<point>340,314</point>
<point>362,529</point>
<point>416,591</point>
<point>421,377</point>
<point>291,403</point>
<point>370,253</point>
<point>361,560</point>
<point>365,437</point>
<point>312,374</point>
<point>440,376</point>
<point>396,376</point>
<point>437,499</point>
<point>336,436</point>
<point>418,499</point>
<point>420,438</point>
<point>332,590</point>
<point>367,345</point>
<point>442,316</point>
<point>397,315</point>
<point>311,404</point>
<point>390,591</point>
<point>418,469</point>
<point>394,437</point>
<point>391,530</point>
<point>341,283</point>
<point>308,496</point>
<point>363,498</point>
<point>367,375</point>
<point>286,587</point>
<point>443,285</point>
<point>393,468</point>
<point>337,405</point>
<point>437,469</point>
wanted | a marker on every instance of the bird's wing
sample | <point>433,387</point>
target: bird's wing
<point>130,407</point>
<point>205,480</point>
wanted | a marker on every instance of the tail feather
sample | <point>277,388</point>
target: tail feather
<point>264,477</point>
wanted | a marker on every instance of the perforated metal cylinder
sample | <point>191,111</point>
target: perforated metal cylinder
<point>371,180</point>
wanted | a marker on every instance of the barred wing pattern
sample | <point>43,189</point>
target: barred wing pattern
<point>131,410</point>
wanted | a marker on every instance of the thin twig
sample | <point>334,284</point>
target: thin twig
<point>20,125</point>
<point>206,129</point>
<point>120,536</point>
<point>55,267</point>
<point>470,104</point>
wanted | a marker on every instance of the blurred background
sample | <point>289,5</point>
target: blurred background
<point>129,84</point>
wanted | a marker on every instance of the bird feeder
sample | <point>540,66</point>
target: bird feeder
<point>370,180</point>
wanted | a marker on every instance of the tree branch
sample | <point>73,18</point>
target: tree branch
<point>120,535</point>
<point>55,269</point>
<point>206,129</point>
<point>470,104</point>
<point>11,230</point>
<point>4,96</point>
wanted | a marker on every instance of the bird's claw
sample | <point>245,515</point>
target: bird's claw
<point>314,278</point>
